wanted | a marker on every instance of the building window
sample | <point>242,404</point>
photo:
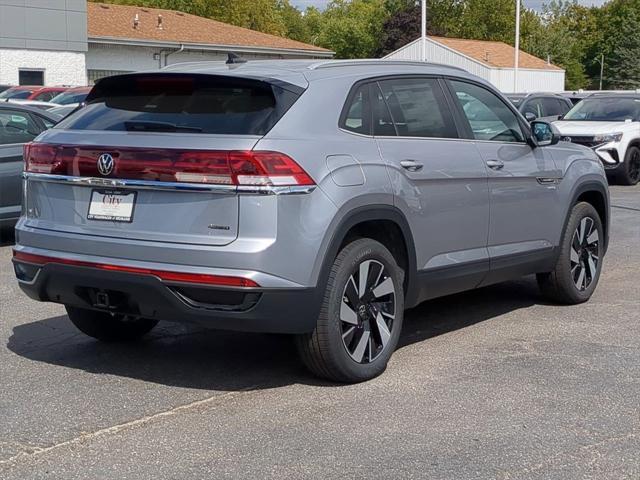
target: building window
<point>95,75</point>
<point>31,77</point>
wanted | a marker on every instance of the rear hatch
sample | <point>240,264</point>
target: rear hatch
<point>152,157</point>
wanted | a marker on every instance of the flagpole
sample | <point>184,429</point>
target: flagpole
<point>517,52</point>
<point>423,42</point>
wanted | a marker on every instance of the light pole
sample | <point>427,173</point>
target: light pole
<point>600,60</point>
<point>423,40</point>
<point>517,52</point>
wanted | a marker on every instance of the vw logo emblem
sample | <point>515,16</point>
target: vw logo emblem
<point>105,164</point>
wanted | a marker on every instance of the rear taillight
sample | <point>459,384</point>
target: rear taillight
<point>219,167</point>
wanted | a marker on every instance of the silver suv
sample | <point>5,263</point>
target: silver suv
<point>319,199</point>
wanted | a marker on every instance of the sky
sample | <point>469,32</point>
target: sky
<point>536,4</point>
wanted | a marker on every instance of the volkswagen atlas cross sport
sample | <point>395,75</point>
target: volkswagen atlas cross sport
<point>318,199</point>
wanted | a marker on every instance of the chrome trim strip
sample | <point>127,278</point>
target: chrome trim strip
<point>171,186</point>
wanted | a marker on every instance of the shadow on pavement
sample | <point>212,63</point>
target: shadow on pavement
<point>190,357</point>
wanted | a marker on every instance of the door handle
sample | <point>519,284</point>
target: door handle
<point>495,164</point>
<point>411,165</point>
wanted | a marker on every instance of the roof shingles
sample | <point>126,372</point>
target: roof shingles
<point>494,54</point>
<point>117,21</point>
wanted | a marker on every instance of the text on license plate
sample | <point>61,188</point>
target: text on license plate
<point>112,206</point>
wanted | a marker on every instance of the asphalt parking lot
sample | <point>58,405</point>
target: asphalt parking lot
<point>495,383</point>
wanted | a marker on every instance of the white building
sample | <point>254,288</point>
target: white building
<point>75,42</point>
<point>43,42</point>
<point>493,61</point>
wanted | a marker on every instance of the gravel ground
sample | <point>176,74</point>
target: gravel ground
<point>494,384</point>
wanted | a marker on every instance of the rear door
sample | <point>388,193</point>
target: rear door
<point>522,181</point>
<point>157,146</point>
<point>439,179</point>
<point>16,128</point>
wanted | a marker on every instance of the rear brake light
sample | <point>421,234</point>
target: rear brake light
<point>198,278</point>
<point>218,167</point>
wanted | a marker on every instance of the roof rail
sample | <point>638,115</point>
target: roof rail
<point>377,61</point>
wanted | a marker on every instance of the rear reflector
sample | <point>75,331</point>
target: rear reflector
<point>196,278</point>
<point>220,167</point>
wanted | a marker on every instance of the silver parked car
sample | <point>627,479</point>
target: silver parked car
<point>319,199</point>
<point>19,124</point>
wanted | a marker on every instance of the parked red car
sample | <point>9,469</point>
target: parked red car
<point>25,92</point>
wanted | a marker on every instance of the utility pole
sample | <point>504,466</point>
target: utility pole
<point>423,38</point>
<point>517,53</point>
<point>601,69</point>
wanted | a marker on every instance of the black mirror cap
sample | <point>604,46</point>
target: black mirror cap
<point>530,117</point>
<point>544,133</point>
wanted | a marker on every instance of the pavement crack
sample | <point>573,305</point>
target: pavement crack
<point>626,208</point>
<point>34,451</point>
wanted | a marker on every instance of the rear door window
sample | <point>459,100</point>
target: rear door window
<point>184,103</point>
<point>535,107</point>
<point>417,107</point>
<point>552,107</point>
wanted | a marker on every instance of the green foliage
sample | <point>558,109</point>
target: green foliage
<point>571,35</point>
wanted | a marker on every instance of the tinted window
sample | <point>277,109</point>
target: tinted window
<point>183,103</point>
<point>552,107</point>
<point>357,115</point>
<point>67,98</point>
<point>16,127</point>
<point>418,108</point>
<point>489,117</point>
<point>45,96</point>
<point>535,107</point>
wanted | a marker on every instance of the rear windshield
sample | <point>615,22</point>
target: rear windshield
<point>183,103</point>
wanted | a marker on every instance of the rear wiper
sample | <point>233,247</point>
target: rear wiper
<point>158,127</point>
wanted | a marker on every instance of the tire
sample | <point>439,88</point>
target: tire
<point>577,270</point>
<point>630,173</point>
<point>356,334</point>
<point>106,327</point>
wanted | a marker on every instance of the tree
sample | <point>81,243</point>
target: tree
<point>624,59</point>
<point>353,28</point>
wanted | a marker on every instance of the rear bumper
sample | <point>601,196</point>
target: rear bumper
<point>269,310</point>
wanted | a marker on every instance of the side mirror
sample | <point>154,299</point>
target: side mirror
<point>544,133</point>
<point>530,117</point>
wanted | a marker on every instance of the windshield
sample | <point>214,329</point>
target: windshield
<point>67,98</point>
<point>609,109</point>
<point>16,94</point>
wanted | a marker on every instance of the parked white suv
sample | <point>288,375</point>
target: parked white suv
<point>610,125</point>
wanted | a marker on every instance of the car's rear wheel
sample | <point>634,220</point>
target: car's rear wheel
<point>577,270</point>
<point>361,315</point>
<point>630,173</point>
<point>109,327</point>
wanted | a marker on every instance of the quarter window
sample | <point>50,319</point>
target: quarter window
<point>489,117</point>
<point>357,115</point>
<point>416,106</point>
